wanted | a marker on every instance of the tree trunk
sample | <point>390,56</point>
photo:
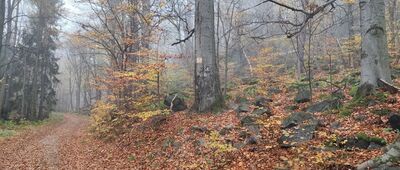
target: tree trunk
<point>2,96</point>
<point>207,91</point>
<point>7,42</point>
<point>392,27</point>
<point>2,19</point>
<point>300,43</point>
<point>374,50</point>
<point>71,92</point>
<point>78,86</point>
<point>226,67</point>
<point>42,98</point>
<point>16,29</point>
<point>24,83</point>
<point>7,55</point>
<point>33,92</point>
<point>350,20</point>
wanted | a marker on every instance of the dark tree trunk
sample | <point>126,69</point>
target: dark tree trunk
<point>207,91</point>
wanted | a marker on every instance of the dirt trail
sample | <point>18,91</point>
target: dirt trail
<point>42,148</point>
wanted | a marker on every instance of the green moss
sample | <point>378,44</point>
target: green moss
<point>353,90</point>
<point>241,99</point>
<point>359,101</point>
<point>382,112</point>
<point>348,108</point>
<point>381,96</point>
<point>362,136</point>
<point>345,111</point>
<point>298,85</point>
<point>218,106</point>
<point>228,97</point>
<point>365,137</point>
<point>378,140</point>
<point>250,91</point>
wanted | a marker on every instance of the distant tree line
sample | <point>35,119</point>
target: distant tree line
<point>28,63</point>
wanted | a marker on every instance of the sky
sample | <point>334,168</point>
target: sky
<point>73,11</point>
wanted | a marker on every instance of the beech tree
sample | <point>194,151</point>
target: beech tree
<point>375,65</point>
<point>374,49</point>
<point>207,84</point>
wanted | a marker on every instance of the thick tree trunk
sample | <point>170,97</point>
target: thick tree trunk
<point>375,62</point>
<point>374,50</point>
<point>207,91</point>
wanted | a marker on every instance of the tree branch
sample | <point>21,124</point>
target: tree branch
<point>191,33</point>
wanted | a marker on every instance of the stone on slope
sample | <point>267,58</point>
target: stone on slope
<point>298,128</point>
<point>262,112</point>
<point>274,90</point>
<point>303,96</point>
<point>297,118</point>
<point>394,122</point>
<point>248,120</point>
<point>262,101</point>
<point>324,106</point>
<point>243,107</point>
<point>177,102</point>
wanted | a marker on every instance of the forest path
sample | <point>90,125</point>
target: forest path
<point>44,147</point>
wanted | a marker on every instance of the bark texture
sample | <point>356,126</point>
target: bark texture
<point>374,49</point>
<point>207,91</point>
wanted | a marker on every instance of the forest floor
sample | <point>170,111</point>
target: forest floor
<point>40,147</point>
<point>68,144</point>
<point>65,144</point>
<point>184,140</point>
<point>61,145</point>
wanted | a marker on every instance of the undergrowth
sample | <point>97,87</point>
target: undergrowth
<point>10,128</point>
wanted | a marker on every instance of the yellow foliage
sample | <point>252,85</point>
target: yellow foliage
<point>149,114</point>
<point>102,117</point>
<point>322,157</point>
<point>215,142</point>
